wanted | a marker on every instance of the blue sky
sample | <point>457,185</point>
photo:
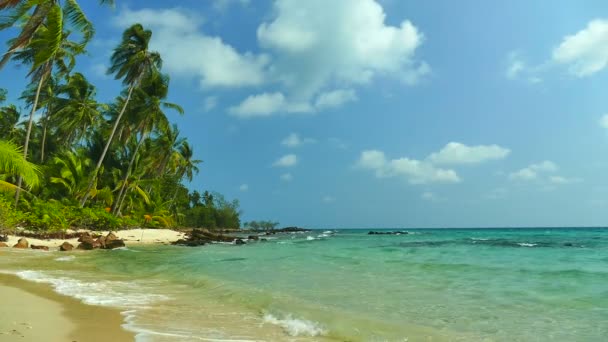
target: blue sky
<point>363,113</point>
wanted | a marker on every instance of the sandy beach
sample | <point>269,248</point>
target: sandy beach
<point>130,237</point>
<point>33,312</point>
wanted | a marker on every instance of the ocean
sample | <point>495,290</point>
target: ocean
<point>345,285</point>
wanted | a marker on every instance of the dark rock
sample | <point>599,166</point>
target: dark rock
<point>200,237</point>
<point>4,238</point>
<point>66,247</point>
<point>44,248</point>
<point>568,244</point>
<point>87,243</point>
<point>22,243</point>
<point>253,237</point>
<point>2,244</point>
<point>111,241</point>
<point>85,236</point>
<point>102,241</point>
<point>239,242</point>
<point>263,239</point>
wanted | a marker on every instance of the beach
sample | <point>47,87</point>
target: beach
<point>33,312</point>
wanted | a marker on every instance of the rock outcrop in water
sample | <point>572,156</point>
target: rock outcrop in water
<point>200,237</point>
<point>43,248</point>
<point>22,243</point>
<point>388,233</point>
<point>2,244</point>
<point>66,247</point>
<point>110,241</point>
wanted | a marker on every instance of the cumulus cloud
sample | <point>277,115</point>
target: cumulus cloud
<point>415,171</point>
<point>286,177</point>
<point>335,98</point>
<point>294,140</point>
<point>244,187</point>
<point>188,52</point>
<point>287,160</point>
<point>313,53</point>
<point>267,104</point>
<point>458,153</point>
<point>585,52</point>
<point>533,171</point>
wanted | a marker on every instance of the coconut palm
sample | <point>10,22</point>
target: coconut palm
<point>149,115</point>
<point>34,14</point>
<point>132,61</point>
<point>77,111</point>
<point>63,57</point>
<point>12,163</point>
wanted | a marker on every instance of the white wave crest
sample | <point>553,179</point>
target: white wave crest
<point>104,293</point>
<point>66,258</point>
<point>525,244</point>
<point>296,327</point>
<point>310,238</point>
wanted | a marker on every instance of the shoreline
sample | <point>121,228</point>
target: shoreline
<point>139,236</point>
<point>34,312</point>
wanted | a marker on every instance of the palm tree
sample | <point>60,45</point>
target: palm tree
<point>34,14</point>
<point>12,163</point>
<point>72,169</point>
<point>148,115</point>
<point>132,62</point>
<point>63,57</point>
<point>76,113</point>
<point>9,117</point>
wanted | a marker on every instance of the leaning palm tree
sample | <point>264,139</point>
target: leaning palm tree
<point>149,115</point>
<point>12,163</point>
<point>34,14</point>
<point>132,61</point>
<point>62,56</point>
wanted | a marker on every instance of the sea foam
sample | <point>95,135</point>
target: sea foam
<point>296,327</point>
<point>103,293</point>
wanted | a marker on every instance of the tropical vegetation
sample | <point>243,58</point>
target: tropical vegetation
<point>68,160</point>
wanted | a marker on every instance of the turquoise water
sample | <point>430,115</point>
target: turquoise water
<point>345,285</point>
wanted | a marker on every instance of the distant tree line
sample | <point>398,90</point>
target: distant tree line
<point>261,225</point>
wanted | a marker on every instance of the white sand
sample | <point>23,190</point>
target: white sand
<point>131,237</point>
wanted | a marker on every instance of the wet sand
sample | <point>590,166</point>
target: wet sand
<point>33,312</point>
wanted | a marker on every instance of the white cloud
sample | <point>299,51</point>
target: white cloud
<point>415,171</point>
<point>210,103</point>
<point>429,196</point>
<point>313,51</point>
<point>244,187</point>
<point>287,160</point>
<point>267,104</point>
<point>515,65</point>
<point>585,52</point>
<point>308,58</point>
<point>335,98</point>
<point>604,121</point>
<point>328,199</point>
<point>564,180</point>
<point>286,177</point>
<point>533,171</point>
<point>457,153</point>
<point>187,52</point>
<point>294,140</point>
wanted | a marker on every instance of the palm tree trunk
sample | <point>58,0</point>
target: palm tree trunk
<point>105,149</point>
<point>27,136</point>
<point>116,208</point>
<point>45,125</point>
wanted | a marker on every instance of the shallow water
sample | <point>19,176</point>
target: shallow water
<point>456,285</point>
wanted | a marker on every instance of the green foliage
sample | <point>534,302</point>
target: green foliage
<point>100,165</point>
